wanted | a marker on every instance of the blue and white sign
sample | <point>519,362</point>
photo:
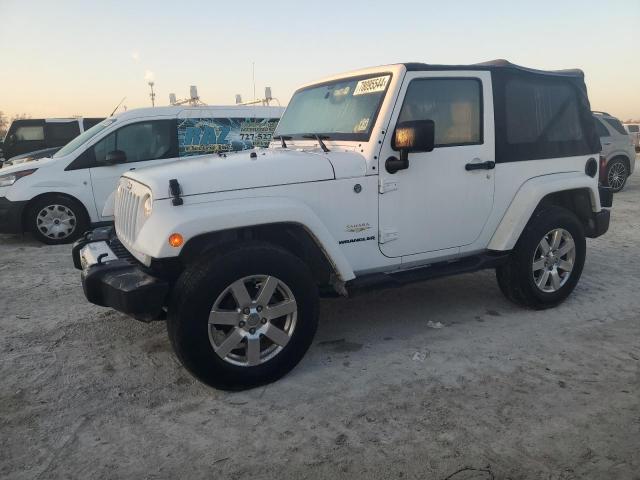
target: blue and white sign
<point>199,136</point>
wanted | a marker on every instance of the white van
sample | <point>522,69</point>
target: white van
<point>58,198</point>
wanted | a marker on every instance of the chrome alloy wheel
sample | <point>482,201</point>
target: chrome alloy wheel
<point>56,221</point>
<point>553,260</point>
<point>617,175</point>
<point>252,320</point>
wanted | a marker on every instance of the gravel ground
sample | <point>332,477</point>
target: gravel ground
<point>497,392</point>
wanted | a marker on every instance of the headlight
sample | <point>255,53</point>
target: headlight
<point>147,206</point>
<point>10,178</point>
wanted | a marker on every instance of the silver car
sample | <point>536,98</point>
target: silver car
<point>618,151</point>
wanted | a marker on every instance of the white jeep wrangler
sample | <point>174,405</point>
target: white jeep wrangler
<point>378,177</point>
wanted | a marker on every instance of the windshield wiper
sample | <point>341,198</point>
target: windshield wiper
<point>282,139</point>
<point>319,139</point>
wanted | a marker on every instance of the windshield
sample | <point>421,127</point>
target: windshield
<point>83,137</point>
<point>341,110</point>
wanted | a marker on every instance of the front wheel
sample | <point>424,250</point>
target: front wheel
<point>245,317</point>
<point>57,219</point>
<point>547,261</point>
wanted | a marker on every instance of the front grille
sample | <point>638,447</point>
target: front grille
<point>129,218</point>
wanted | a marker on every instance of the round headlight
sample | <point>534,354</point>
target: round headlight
<point>147,206</point>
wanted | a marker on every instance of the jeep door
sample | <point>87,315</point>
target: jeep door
<point>144,143</point>
<point>444,198</point>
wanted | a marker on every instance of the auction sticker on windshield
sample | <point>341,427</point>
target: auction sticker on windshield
<point>371,85</point>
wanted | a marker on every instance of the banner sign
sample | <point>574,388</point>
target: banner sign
<point>199,136</point>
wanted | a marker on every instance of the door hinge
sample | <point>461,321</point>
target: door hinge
<point>388,235</point>
<point>387,186</point>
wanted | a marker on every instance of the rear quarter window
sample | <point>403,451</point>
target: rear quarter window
<point>617,125</point>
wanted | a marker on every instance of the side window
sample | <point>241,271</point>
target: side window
<point>634,128</point>
<point>62,132</point>
<point>454,104</point>
<point>104,146</point>
<point>140,141</point>
<point>90,122</point>
<point>601,129</point>
<point>541,112</point>
<point>29,133</point>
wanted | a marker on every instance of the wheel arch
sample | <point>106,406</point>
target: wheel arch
<point>577,193</point>
<point>624,158</point>
<point>293,237</point>
<point>28,207</point>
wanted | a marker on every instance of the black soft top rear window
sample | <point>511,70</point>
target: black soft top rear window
<point>541,116</point>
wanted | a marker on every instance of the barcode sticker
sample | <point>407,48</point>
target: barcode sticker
<point>371,85</point>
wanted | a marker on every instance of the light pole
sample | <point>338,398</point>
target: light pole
<point>152,94</point>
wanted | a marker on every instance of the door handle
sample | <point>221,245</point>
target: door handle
<point>488,165</point>
<point>606,143</point>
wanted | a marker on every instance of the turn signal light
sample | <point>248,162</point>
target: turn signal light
<point>176,240</point>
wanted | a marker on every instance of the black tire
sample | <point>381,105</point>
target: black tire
<point>58,204</point>
<point>617,174</point>
<point>516,277</point>
<point>205,280</point>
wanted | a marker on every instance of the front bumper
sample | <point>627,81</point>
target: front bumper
<point>11,216</point>
<point>123,284</point>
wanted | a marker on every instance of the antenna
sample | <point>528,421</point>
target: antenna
<point>253,76</point>
<point>114,110</point>
<point>152,94</point>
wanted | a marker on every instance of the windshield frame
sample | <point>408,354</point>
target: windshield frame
<point>349,137</point>
<point>81,139</point>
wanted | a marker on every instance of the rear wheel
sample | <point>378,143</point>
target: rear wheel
<point>617,174</point>
<point>245,317</point>
<point>547,261</point>
<point>57,219</point>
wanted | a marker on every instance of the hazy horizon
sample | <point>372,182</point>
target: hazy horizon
<point>72,58</point>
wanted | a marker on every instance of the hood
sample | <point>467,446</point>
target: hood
<point>248,169</point>
<point>41,162</point>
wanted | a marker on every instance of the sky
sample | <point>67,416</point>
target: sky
<point>63,58</point>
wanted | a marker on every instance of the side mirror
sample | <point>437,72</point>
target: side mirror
<point>408,137</point>
<point>115,157</point>
<point>11,139</point>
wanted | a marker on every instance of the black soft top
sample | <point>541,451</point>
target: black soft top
<point>495,65</point>
<point>538,114</point>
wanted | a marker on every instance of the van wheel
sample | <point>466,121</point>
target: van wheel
<point>243,317</point>
<point>57,219</point>
<point>547,261</point>
<point>617,174</point>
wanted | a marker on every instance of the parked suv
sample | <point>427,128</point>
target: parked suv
<point>29,135</point>
<point>618,151</point>
<point>378,177</point>
<point>58,198</point>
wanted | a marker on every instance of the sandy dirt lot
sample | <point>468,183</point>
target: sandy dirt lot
<point>497,392</point>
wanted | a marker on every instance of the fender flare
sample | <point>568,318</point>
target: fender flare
<point>528,197</point>
<point>193,219</point>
